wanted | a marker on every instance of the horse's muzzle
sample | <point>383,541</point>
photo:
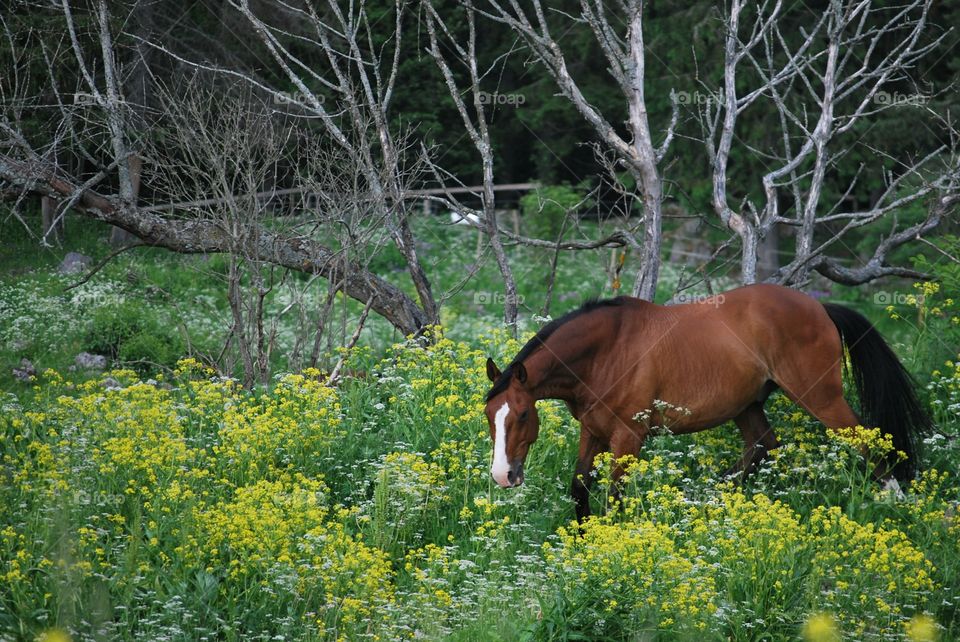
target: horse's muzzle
<point>514,476</point>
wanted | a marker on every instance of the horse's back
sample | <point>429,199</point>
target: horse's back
<point>777,317</point>
<point>719,355</point>
<point>793,336</point>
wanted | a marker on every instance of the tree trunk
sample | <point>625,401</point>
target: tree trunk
<point>768,256</point>
<point>119,237</point>
<point>52,227</point>
<point>199,236</point>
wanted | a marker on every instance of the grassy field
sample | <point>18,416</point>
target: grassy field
<point>169,503</point>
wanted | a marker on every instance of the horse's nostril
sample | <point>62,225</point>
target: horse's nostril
<point>511,476</point>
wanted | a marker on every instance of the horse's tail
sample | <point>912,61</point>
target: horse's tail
<point>888,398</point>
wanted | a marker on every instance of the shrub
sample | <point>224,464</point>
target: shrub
<point>545,209</point>
<point>617,579</point>
<point>283,534</point>
<point>131,332</point>
<point>870,575</point>
<point>147,348</point>
<point>110,327</point>
<point>937,306</point>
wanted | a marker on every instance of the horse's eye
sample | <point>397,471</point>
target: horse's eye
<point>523,415</point>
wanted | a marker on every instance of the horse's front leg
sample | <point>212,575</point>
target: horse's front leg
<point>626,441</point>
<point>583,477</point>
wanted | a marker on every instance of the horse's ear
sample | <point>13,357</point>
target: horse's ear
<point>521,373</point>
<point>493,372</point>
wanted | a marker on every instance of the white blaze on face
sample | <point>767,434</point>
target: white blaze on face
<point>500,466</point>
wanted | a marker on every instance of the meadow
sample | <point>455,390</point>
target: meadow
<point>170,503</point>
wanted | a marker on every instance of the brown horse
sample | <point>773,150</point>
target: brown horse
<point>717,359</point>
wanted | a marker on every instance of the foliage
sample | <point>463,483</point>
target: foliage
<point>617,579</point>
<point>546,210</point>
<point>182,302</point>
<point>129,332</point>
<point>936,308</point>
<point>132,507</point>
<point>177,505</point>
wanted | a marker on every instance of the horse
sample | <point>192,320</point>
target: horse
<point>615,361</point>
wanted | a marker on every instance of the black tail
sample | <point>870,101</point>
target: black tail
<point>886,390</point>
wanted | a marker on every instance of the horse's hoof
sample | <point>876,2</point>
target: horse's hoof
<point>734,474</point>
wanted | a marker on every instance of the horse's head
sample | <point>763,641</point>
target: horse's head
<point>514,424</point>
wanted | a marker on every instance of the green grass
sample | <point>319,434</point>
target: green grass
<point>186,508</point>
<point>128,510</point>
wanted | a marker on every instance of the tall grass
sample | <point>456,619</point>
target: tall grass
<point>173,504</point>
<point>188,508</point>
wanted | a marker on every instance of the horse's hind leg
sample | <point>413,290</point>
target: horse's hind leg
<point>833,411</point>
<point>758,439</point>
<point>823,398</point>
<point>821,394</point>
<point>837,413</point>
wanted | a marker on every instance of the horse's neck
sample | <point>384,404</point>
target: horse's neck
<point>559,368</point>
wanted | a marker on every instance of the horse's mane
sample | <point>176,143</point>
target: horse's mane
<point>503,381</point>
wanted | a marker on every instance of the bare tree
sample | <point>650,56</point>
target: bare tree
<point>359,80</point>
<point>110,143</point>
<point>224,144</point>
<point>820,90</point>
<point>475,121</point>
<point>624,52</point>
